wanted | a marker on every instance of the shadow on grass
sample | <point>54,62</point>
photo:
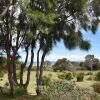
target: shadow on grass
<point>24,97</point>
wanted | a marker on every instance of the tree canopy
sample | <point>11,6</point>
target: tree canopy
<point>24,24</point>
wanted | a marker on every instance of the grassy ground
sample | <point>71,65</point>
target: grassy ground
<point>32,85</point>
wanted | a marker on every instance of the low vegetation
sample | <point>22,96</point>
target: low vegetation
<point>61,90</point>
<point>80,77</point>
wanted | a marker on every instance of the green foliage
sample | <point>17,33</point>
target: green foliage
<point>96,87</point>
<point>6,84</point>
<point>97,76</point>
<point>66,76</point>
<point>18,74</point>
<point>62,65</point>
<point>89,73</point>
<point>1,79</point>
<point>33,68</point>
<point>61,90</point>
<point>74,74</point>
<point>46,80</point>
<point>80,77</point>
<point>1,74</point>
<point>90,78</point>
<point>19,91</point>
<point>2,65</point>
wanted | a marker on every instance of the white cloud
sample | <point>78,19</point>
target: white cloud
<point>54,57</point>
<point>69,57</point>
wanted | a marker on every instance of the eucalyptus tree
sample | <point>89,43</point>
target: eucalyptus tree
<point>68,17</point>
<point>41,13</point>
<point>13,28</point>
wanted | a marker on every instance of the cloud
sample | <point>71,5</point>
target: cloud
<point>69,57</point>
<point>54,57</point>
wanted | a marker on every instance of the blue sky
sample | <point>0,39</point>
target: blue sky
<point>59,51</point>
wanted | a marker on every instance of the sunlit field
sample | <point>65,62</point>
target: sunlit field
<point>86,84</point>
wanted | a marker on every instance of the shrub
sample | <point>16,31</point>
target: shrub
<point>61,90</point>
<point>19,90</point>
<point>89,73</point>
<point>89,78</point>
<point>1,79</point>
<point>74,74</point>
<point>67,76</point>
<point>46,80</point>
<point>61,76</point>
<point>80,77</point>
<point>1,74</point>
<point>18,75</point>
<point>34,68</point>
<point>97,76</point>
<point>6,84</point>
<point>96,87</point>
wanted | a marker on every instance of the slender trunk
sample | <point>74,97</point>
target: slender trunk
<point>29,68</point>
<point>8,49</point>
<point>37,73</point>
<point>10,69</point>
<point>41,68</point>
<point>14,69</point>
<point>23,66</point>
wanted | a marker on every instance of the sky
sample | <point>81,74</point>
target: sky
<point>59,51</point>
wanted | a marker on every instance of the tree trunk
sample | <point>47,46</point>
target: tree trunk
<point>8,49</point>
<point>23,66</point>
<point>41,68</point>
<point>14,69</point>
<point>37,73</point>
<point>29,68</point>
<point>10,70</point>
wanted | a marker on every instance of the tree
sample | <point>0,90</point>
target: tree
<point>44,22</point>
<point>62,64</point>
<point>71,17</point>
<point>13,29</point>
<point>92,63</point>
<point>89,60</point>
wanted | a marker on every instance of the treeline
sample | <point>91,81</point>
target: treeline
<point>24,24</point>
<point>90,63</point>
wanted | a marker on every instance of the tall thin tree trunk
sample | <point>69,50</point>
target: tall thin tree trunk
<point>41,68</point>
<point>37,73</point>
<point>14,69</point>
<point>10,69</point>
<point>8,49</point>
<point>23,66</point>
<point>29,67</point>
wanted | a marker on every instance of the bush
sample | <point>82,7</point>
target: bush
<point>89,73</point>
<point>66,76</point>
<point>19,90</point>
<point>1,79</point>
<point>18,75</point>
<point>97,76</point>
<point>46,80</point>
<point>61,90</point>
<point>89,78</point>
<point>1,74</point>
<point>6,84</point>
<point>74,74</point>
<point>96,87</point>
<point>80,77</point>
